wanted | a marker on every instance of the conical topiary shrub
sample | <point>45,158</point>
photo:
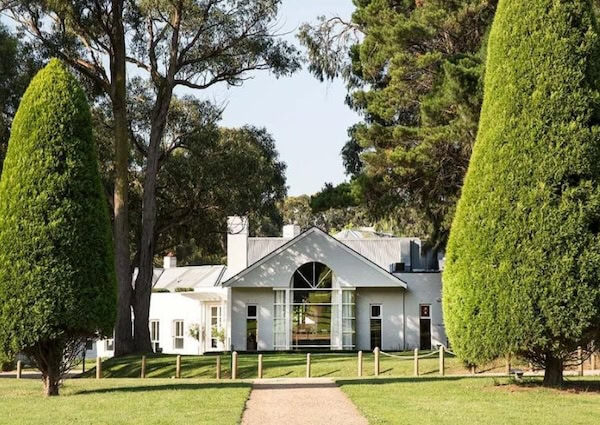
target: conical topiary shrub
<point>57,284</point>
<point>523,260</point>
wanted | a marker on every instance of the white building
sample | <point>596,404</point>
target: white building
<point>352,291</point>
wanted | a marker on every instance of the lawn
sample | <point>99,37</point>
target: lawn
<point>472,401</point>
<point>282,365</point>
<point>123,401</point>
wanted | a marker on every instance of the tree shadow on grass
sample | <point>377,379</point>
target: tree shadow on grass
<point>164,387</point>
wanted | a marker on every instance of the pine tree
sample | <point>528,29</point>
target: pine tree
<point>523,262</point>
<point>57,279</point>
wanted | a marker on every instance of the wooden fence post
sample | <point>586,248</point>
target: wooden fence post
<point>360,363</point>
<point>218,367</point>
<point>260,366</point>
<point>98,368</point>
<point>594,358</point>
<point>234,364</point>
<point>416,373</point>
<point>442,363</point>
<point>508,363</point>
<point>178,367</point>
<point>376,352</point>
<point>308,365</point>
<point>19,369</point>
<point>143,372</point>
<point>580,361</point>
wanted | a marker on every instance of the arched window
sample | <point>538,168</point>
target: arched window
<point>311,306</point>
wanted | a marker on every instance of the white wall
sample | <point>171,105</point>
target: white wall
<point>263,298</point>
<point>423,288</point>
<point>392,338</point>
<point>167,307</point>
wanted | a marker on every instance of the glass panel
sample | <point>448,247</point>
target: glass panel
<point>311,325</point>
<point>251,332</point>
<point>375,311</point>
<point>375,333</point>
<point>348,310</point>
<point>348,297</point>
<point>312,276</point>
<point>279,297</point>
<point>348,325</point>
<point>251,311</point>
<point>279,311</point>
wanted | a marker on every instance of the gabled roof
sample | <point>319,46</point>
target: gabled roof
<point>290,244</point>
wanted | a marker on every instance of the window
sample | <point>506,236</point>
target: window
<point>312,306</point>
<point>251,327</point>
<point>155,335</point>
<point>109,344</point>
<point>375,326</point>
<point>217,334</point>
<point>178,334</point>
<point>348,320</point>
<point>425,326</point>
<point>89,344</point>
<point>280,328</point>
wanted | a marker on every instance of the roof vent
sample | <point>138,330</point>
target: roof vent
<point>170,261</point>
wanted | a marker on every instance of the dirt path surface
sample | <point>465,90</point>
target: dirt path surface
<point>299,401</point>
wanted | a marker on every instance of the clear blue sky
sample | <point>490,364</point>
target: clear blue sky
<point>308,119</point>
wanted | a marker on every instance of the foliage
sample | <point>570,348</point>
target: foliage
<point>228,172</point>
<point>181,289</point>
<point>297,210</point>
<point>17,67</point>
<point>414,73</point>
<point>57,283</point>
<point>523,257</point>
<point>194,331</point>
<point>340,196</point>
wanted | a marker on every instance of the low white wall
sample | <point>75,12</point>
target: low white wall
<point>263,298</point>
<point>423,288</point>
<point>392,317</point>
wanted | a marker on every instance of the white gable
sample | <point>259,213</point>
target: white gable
<point>350,269</point>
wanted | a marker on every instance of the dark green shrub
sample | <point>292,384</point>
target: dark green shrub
<point>523,260</point>
<point>57,283</point>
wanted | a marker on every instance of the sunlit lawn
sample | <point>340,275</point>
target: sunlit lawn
<point>123,401</point>
<point>283,365</point>
<point>464,401</point>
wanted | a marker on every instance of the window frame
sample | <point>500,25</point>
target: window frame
<point>176,336</point>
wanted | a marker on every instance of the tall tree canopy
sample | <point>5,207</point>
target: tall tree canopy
<point>523,264</point>
<point>57,277</point>
<point>413,71</point>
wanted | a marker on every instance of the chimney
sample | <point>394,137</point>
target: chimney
<point>291,231</point>
<point>170,261</point>
<point>237,244</point>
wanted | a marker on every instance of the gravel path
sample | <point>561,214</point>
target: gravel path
<point>299,401</point>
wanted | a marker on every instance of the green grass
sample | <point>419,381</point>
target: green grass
<point>472,401</point>
<point>123,401</point>
<point>281,365</point>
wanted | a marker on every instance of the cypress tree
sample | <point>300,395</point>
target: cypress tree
<point>57,279</point>
<point>523,260</point>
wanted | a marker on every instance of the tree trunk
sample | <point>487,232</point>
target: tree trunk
<point>553,374</point>
<point>51,384</point>
<point>143,283</point>
<point>123,334</point>
<point>48,356</point>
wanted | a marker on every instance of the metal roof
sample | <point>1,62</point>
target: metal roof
<point>189,277</point>
<point>381,250</point>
